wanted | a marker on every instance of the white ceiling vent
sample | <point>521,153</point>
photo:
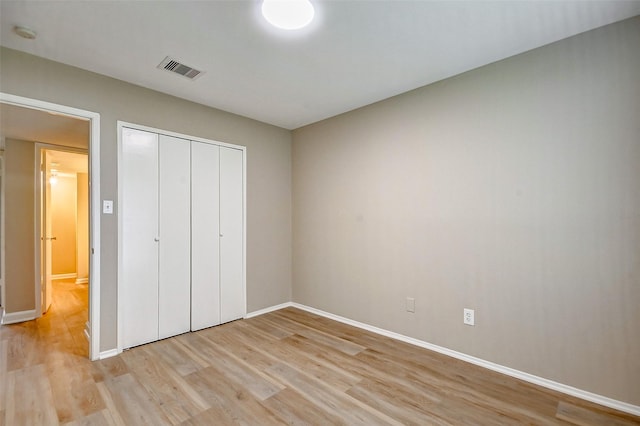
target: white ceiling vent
<point>176,67</point>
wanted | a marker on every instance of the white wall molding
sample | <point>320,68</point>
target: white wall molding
<point>108,354</point>
<point>20,316</point>
<point>82,280</point>
<point>267,310</point>
<point>64,276</point>
<point>549,384</point>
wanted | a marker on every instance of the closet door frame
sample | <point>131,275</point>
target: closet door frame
<point>120,126</point>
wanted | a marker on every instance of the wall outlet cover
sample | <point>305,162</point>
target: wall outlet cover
<point>469,316</point>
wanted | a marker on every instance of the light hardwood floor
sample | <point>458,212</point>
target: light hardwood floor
<point>286,367</point>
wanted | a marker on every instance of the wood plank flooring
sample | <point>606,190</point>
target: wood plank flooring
<point>285,367</point>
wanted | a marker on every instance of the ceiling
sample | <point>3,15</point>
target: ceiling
<point>27,124</point>
<point>353,54</point>
<point>68,163</point>
<point>17,122</point>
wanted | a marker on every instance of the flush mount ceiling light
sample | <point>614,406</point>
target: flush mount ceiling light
<point>25,32</point>
<point>288,14</point>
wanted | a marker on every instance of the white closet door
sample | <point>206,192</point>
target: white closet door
<point>139,287</point>
<point>174,282</point>
<point>232,304</point>
<point>205,236</point>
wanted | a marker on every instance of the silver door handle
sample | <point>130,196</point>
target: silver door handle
<point>156,239</point>
<point>51,238</point>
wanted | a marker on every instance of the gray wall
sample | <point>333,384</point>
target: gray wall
<point>268,163</point>
<point>20,157</point>
<point>513,189</point>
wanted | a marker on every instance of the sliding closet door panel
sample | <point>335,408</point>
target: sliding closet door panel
<point>205,236</point>
<point>139,233</point>
<point>174,281</point>
<point>231,239</point>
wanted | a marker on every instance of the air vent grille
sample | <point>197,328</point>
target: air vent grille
<point>177,67</point>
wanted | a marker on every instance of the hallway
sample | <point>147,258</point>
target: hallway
<point>65,321</point>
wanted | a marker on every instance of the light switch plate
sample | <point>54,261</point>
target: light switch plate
<point>107,206</point>
<point>411,304</point>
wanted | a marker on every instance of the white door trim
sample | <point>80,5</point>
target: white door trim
<point>39,148</point>
<point>123,124</point>
<point>94,208</point>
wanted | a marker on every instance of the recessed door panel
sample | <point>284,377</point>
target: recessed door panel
<point>205,236</point>
<point>174,281</point>
<point>139,299</point>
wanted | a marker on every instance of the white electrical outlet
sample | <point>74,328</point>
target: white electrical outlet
<point>469,317</point>
<point>411,304</point>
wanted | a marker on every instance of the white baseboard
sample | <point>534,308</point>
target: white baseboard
<point>63,276</point>
<point>108,354</point>
<point>269,309</point>
<point>550,384</point>
<point>21,316</point>
<point>82,280</point>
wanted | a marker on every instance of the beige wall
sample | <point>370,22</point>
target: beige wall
<point>82,226</point>
<point>19,226</point>
<point>513,189</point>
<point>268,166</point>
<point>63,225</point>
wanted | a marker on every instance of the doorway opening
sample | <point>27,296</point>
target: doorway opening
<point>64,219</point>
<point>37,130</point>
